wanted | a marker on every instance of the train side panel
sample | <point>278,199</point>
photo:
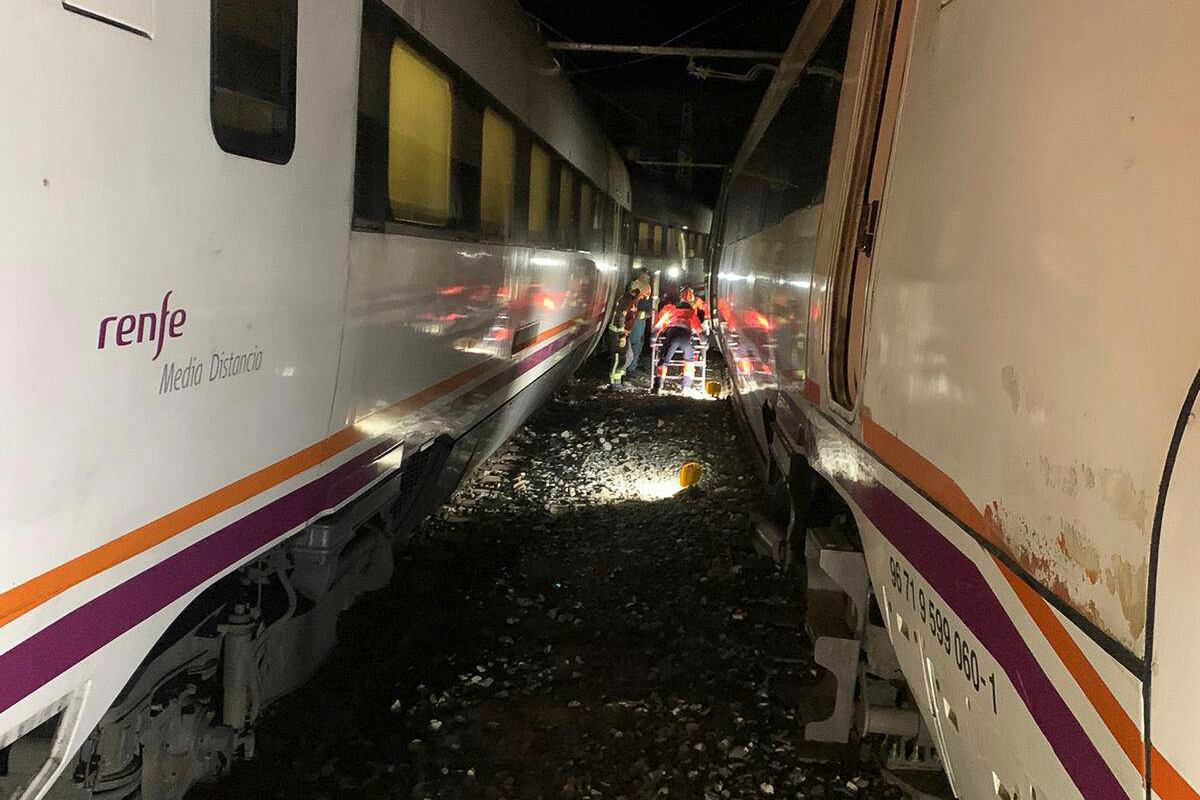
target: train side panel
<point>1028,349</point>
<point>244,256</point>
<point>449,331</point>
<point>227,364</point>
<point>1031,341</point>
<point>1031,329</point>
<point>126,207</point>
<point>763,288</point>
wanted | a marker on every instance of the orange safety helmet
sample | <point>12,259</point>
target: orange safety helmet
<point>686,295</point>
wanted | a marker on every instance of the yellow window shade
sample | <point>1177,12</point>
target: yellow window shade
<point>643,238</point>
<point>658,240</point>
<point>496,186</point>
<point>419,119</point>
<point>539,191</point>
<point>585,216</point>
<point>566,202</point>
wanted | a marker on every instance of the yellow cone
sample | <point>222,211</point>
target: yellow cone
<point>689,474</point>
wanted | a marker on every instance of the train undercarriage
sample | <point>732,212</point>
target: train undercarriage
<point>860,699</point>
<point>252,637</point>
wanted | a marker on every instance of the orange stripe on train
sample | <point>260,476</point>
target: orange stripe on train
<point>1122,728</point>
<point>27,596</point>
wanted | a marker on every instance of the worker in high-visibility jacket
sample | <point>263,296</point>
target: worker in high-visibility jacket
<point>698,303</point>
<point>623,316</point>
<point>676,325</point>
<point>637,334</point>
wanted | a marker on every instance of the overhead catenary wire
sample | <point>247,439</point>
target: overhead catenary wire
<point>539,21</point>
<point>542,23</point>
<point>750,21</point>
<point>702,23</point>
<point>673,39</point>
<point>659,50</point>
<point>607,98</point>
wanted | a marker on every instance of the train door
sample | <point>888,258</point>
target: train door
<point>887,57</point>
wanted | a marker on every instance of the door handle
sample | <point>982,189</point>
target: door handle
<point>867,225</point>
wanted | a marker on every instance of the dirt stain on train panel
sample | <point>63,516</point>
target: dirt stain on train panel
<point>1058,552</point>
<point>1077,559</point>
<point>1131,504</point>
<point>1116,488</point>
<point>1079,549</point>
<point>1012,387</point>
<point>1129,584</point>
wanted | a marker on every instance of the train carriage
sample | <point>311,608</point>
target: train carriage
<point>297,266</point>
<point>956,298</point>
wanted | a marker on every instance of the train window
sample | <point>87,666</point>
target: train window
<point>586,216</point>
<point>539,192</point>
<point>658,240</point>
<point>798,144</point>
<point>643,239</point>
<point>420,107</point>
<point>499,168</point>
<point>566,204</point>
<point>253,67</point>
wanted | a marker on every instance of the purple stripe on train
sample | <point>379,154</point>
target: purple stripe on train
<point>85,630</point>
<point>956,578</point>
<point>74,637</point>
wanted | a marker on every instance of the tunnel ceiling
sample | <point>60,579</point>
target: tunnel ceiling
<point>642,101</point>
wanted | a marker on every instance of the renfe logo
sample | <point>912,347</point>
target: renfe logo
<point>148,327</point>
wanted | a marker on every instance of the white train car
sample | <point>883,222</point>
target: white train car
<point>307,262</point>
<point>957,296</point>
